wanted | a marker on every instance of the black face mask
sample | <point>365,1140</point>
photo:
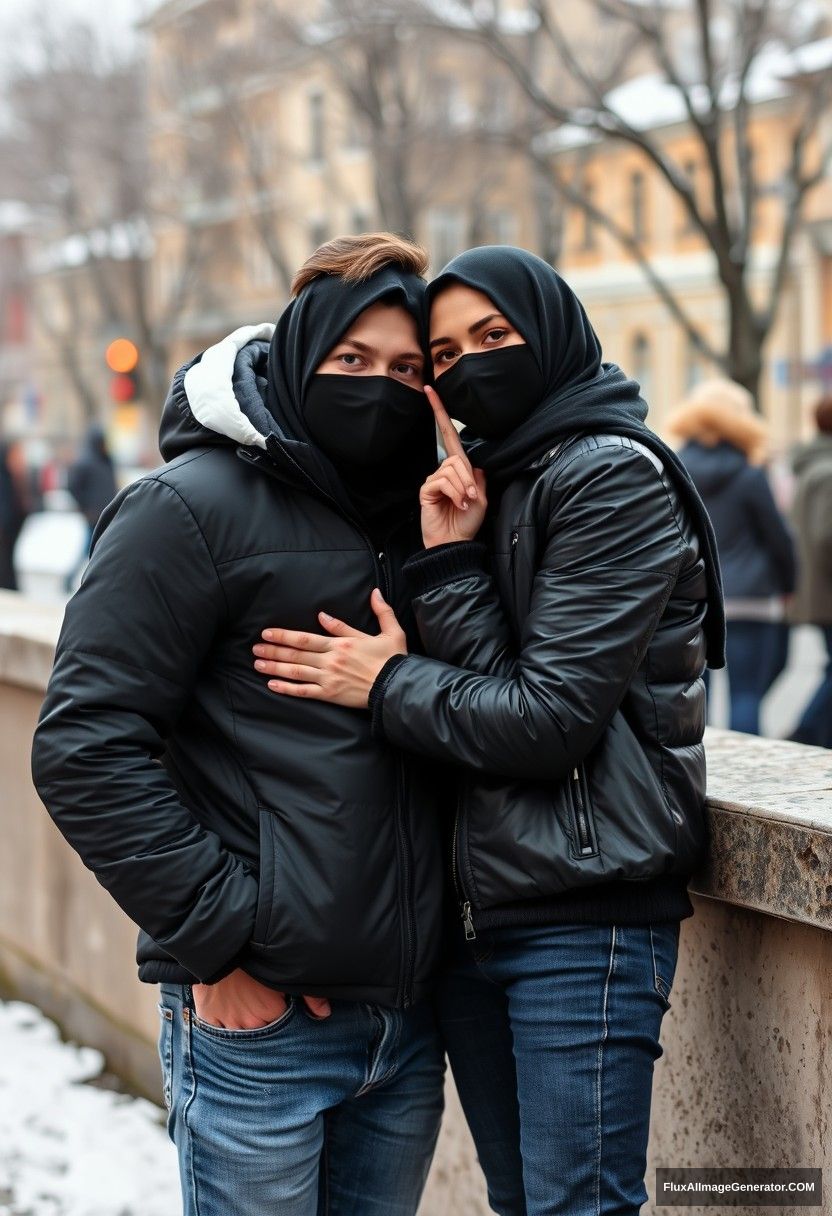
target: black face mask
<point>360,421</point>
<point>492,393</point>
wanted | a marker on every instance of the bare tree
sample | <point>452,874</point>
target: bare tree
<point>76,151</point>
<point>730,45</point>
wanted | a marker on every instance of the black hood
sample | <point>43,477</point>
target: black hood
<point>712,468</point>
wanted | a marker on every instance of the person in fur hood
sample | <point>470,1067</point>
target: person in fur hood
<point>724,446</point>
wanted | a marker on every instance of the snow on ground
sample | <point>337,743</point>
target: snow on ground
<point>68,1148</point>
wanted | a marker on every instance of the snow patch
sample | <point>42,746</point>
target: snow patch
<point>68,1148</point>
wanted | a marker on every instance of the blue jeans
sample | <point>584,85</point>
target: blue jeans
<point>756,653</point>
<point>815,725</point>
<point>302,1117</point>
<point>552,1033</point>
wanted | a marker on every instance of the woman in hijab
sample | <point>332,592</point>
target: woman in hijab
<point>567,645</point>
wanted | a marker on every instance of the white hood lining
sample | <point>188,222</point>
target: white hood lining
<point>209,387</point>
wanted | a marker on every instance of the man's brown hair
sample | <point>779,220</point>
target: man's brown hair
<point>355,258</point>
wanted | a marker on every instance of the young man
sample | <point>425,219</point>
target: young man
<point>282,864</point>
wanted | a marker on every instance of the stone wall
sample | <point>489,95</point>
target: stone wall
<point>745,1075</point>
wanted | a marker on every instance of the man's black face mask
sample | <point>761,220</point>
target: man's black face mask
<point>361,421</point>
<point>494,392</point>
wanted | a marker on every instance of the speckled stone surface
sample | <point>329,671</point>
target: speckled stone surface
<point>770,817</point>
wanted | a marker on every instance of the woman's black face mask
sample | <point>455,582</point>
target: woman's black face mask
<point>361,421</point>
<point>494,392</point>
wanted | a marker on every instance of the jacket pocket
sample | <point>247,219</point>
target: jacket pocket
<point>268,870</point>
<point>585,839</point>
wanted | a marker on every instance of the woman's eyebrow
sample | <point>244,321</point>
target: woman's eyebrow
<point>472,329</point>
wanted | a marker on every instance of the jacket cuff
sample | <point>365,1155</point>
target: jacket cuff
<point>376,701</point>
<point>444,564</point>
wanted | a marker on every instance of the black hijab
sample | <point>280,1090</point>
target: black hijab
<point>583,394</point>
<point>309,327</point>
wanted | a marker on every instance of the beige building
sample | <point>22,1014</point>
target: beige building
<point>262,146</point>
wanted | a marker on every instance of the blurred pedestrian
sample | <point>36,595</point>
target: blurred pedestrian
<point>812,516</point>
<point>14,507</point>
<point>725,450</point>
<point>92,480</point>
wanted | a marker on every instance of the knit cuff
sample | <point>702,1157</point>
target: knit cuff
<point>432,568</point>
<point>376,701</point>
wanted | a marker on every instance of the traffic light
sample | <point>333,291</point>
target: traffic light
<point>122,358</point>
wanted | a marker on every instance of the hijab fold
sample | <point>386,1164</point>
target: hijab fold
<point>583,394</point>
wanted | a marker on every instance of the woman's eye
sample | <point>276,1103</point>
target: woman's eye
<point>406,369</point>
<point>444,356</point>
<point>496,335</point>
<point>346,360</point>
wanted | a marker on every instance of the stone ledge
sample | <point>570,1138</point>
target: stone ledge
<point>28,635</point>
<point>769,801</point>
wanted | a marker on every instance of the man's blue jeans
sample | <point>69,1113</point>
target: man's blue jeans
<point>552,1034</point>
<point>303,1117</point>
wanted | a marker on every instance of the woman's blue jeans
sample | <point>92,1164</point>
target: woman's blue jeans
<point>303,1117</point>
<point>815,725</point>
<point>552,1034</point>
<point>756,654</point>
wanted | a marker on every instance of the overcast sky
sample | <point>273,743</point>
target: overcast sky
<point>116,16</point>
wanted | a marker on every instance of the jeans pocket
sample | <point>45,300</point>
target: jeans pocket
<point>165,1047</point>
<point>664,951</point>
<point>269,1031</point>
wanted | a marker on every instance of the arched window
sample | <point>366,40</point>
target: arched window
<point>640,363</point>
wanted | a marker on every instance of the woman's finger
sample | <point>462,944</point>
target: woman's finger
<point>299,672</point>
<point>298,641</point>
<point>284,654</point>
<point>449,433</point>
<point>436,488</point>
<point>312,692</point>
<point>456,478</point>
<point>339,629</point>
<point>465,472</point>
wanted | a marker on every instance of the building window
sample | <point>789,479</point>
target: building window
<point>691,172</point>
<point>446,233</point>
<point>318,233</point>
<point>361,220</point>
<point>637,204</point>
<point>588,230</point>
<point>640,357</point>
<point>694,365</point>
<point>499,227</point>
<point>450,108</point>
<point>317,130</point>
<point>496,106</point>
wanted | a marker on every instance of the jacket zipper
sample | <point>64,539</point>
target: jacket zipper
<point>462,899</point>
<point>585,844</point>
<point>384,585</point>
<point>515,539</point>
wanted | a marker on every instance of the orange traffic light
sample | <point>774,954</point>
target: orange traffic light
<point>122,355</point>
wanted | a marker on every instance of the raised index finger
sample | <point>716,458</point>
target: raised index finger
<point>449,433</point>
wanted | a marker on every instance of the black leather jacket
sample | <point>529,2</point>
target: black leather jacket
<point>566,677</point>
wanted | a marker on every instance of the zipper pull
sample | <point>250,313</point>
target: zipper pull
<point>470,932</point>
<point>576,776</point>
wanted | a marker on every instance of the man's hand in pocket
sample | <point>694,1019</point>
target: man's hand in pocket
<point>240,1002</point>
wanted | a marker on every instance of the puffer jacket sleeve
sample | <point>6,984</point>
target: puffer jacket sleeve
<point>133,638</point>
<point>612,553</point>
<point>457,609</point>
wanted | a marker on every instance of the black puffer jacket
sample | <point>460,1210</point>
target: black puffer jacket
<point>235,827</point>
<point>580,717</point>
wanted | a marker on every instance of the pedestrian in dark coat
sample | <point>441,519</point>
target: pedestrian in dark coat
<point>92,479</point>
<point>724,451</point>
<point>812,517</point>
<point>14,508</point>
